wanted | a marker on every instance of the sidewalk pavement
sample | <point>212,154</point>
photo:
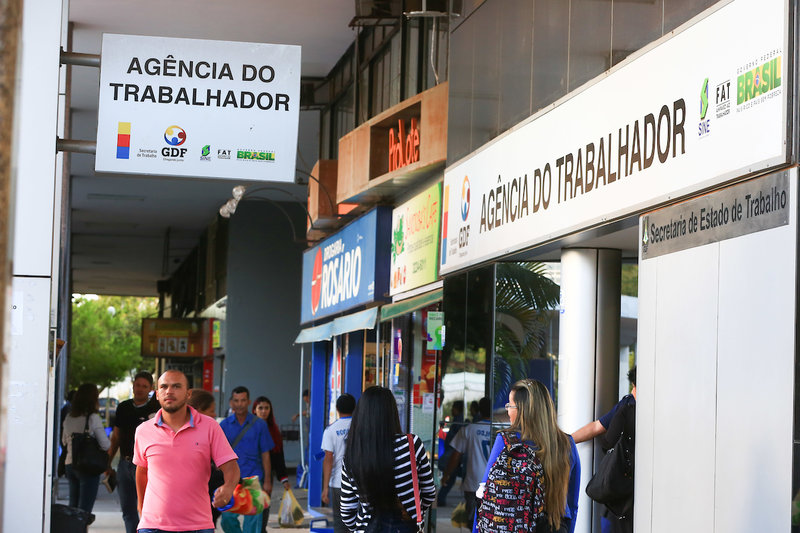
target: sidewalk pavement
<point>108,517</point>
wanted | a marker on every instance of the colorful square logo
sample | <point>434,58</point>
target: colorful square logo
<point>123,140</point>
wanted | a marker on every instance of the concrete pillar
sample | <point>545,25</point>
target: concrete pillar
<point>588,350</point>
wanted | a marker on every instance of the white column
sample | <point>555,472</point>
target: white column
<point>588,350</point>
<point>30,403</point>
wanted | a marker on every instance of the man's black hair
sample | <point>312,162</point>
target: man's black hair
<point>305,392</point>
<point>346,404</point>
<point>485,407</point>
<point>144,375</point>
<point>240,389</point>
<point>632,375</point>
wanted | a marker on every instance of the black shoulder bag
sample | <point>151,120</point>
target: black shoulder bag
<point>87,455</point>
<point>612,484</point>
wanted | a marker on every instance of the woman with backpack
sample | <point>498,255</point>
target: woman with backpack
<point>379,470</point>
<point>534,466</point>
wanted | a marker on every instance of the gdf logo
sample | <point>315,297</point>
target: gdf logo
<point>174,136</point>
<point>465,199</point>
<point>316,282</point>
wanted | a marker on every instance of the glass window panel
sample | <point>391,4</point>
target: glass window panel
<point>442,53</point>
<point>526,329</point>
<point>590,41</point>
<point>460,92</point>
<point>345,115</point>
<point>676,12</point>
<point>396,58</point>
<point>325,137</point>
<point>550,46</point>
<point>412,58</point>
<point>634,24</point>
<point>363,92</point>
<point>377,86</point>
<point>486,75</point>
<point>516,23</point>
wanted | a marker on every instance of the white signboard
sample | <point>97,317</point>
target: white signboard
<point>196,108</point>
<point>703,107</point>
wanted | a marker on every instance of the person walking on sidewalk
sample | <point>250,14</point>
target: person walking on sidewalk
<point>377,478</point>
<point>250,439</point>
<point>130,414</point>
<point>83,417</point>
<point>262,408</point>
<point>333,440</point>
<point>172,453</point>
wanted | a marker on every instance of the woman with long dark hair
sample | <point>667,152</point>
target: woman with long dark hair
<point>377,485</point>
<point>83,487</point>
<point>533,422</point>
<point>262,408</point>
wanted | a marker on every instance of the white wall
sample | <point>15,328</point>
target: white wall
<point>715,385</point>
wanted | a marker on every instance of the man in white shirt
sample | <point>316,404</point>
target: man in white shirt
<point>333,441</point>
<point>475,441</point>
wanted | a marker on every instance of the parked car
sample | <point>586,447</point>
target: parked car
<point>109,415</point>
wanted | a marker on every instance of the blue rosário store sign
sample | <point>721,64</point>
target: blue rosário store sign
<point>348,269</point>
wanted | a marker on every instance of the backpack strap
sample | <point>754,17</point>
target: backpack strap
<point>244,430</point>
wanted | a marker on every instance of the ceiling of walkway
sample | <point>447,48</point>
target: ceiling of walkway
<point>130,231</point>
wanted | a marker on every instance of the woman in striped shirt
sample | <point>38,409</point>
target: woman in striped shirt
<point>376,452</point>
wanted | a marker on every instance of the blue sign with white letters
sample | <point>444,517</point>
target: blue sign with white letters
<point>349,268</point>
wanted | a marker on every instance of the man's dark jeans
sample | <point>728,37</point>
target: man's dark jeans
<point>126,488</point>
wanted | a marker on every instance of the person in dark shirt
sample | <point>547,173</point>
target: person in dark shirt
<point>609,427</point>
<point>130,414</point>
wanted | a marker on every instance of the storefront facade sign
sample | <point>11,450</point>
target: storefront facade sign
<point>347,269</point>
<point>176,337</point>
<point>198,108</point>
<point>755,205</point>
<point>415,241</point>
<point>625,144</point>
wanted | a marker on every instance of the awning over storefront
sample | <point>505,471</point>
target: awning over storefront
<point>315,334</point>
<point>357,321</point>
<point>344,324</point>
<point>412,304</point>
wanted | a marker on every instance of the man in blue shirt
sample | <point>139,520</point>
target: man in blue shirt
<point>250,439</point>
<point>609,522</point>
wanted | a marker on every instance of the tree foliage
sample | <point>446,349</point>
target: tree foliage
<point>630,280</point>
<point>105,343</point>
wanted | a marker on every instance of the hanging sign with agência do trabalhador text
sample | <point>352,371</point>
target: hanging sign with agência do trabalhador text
<point>198,108</point>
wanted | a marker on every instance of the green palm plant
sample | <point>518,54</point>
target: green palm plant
<point>525,297</point>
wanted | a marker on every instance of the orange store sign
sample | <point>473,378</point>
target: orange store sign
<point>403,148</point>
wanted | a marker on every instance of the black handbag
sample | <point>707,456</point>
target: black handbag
<point>87,456</point>
<point>61,470</point>
<point>612,484</point>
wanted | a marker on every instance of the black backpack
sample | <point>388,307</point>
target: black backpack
<point>513,499</point>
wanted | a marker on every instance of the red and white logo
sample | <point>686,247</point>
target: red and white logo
<point>316,282</point>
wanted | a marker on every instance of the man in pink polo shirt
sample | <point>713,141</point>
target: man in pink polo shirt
<point>172,454</point>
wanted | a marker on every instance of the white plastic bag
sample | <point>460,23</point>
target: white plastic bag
<point>290,513</point>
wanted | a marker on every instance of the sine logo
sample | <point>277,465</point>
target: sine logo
<point>175,135</point>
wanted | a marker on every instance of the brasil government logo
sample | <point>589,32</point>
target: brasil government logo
<point>175,136</point>
<point>465,199</point>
